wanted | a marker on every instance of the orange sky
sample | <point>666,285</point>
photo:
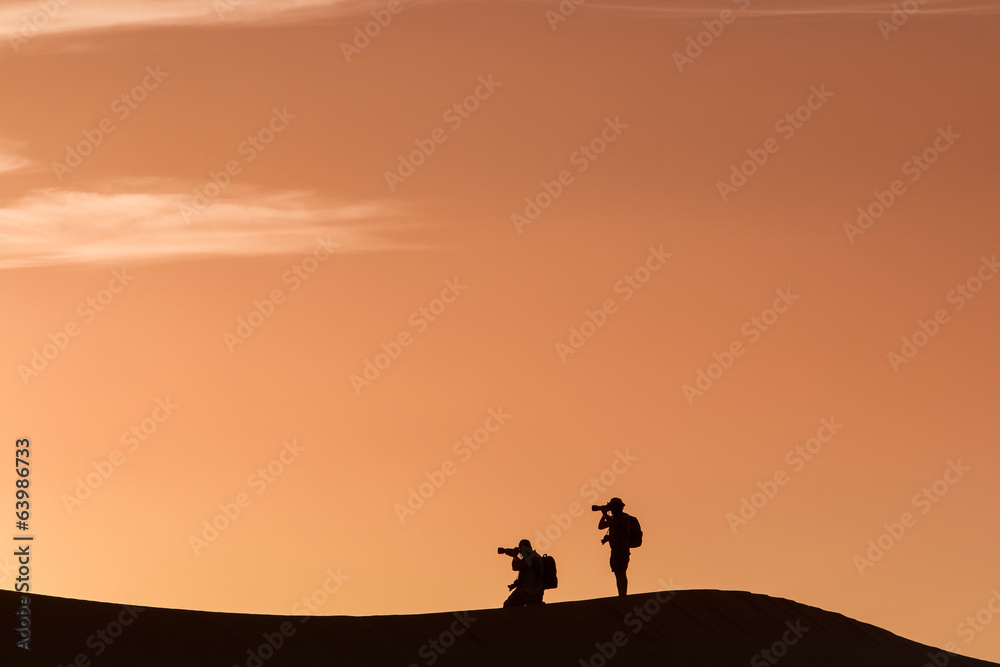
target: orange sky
<point>236,167</point>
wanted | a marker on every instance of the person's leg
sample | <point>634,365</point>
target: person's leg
<point>619,564</point>
<point>622,582</point>
<point>515,599</point>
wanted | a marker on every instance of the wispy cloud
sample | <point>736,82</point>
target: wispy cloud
<point>10,159</point>
<point>50,226</point>
<point>697,9</point>
<point>56,17</point>
<point>73,17</point>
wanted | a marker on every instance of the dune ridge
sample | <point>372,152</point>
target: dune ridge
<point>686,627</point>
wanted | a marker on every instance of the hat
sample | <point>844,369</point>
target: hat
<point>616,501</point>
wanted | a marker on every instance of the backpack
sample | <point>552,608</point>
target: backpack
<point>549,578</point>
<point>634,533</point>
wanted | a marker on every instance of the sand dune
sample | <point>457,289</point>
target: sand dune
<point>691,627</point>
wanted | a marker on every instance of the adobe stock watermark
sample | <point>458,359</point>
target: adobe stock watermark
<point>420,320</point>
<point>627,286</point>
<point>88,309</point>
<point>924,500</point>
<point>635,620</point>
<point>432,650</point>
<point>779,648</point>
<point>786,126</point>
<point>454,116</point>
<point>104,637</point>
<point>464,449</point>
<point>696,44</point>
<point>958,297</point>
<point>594,490</point>
<point>34,22</point>
<point>308,605</point>
<point>223,7</point>
<point>976,623</point>
<point>132,439</point>
<point>937,659</point>
<point>753,329</point>
<point>248,149</point>
<point>259,481</point>
<point>121,108</point>
<point>566,9</point>
<point>914,168</point>
<point>272,642</point>
<point>797,457</point>
<point>364,34</point>
<point>263,309</point>
<point>901,13</point>
<point>581,158</point>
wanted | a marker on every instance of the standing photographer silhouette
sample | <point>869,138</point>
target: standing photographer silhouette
<point>619,525</point>
<point>528,588</point>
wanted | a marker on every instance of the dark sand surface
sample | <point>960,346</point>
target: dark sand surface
<point>689,627</point>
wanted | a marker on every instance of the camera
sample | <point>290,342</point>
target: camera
<point>600,508</point>
<point>508,552</point>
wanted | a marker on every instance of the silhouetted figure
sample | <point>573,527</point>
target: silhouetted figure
<point>528,587</point>
<point>618,524</point>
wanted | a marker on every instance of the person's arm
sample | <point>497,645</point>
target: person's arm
<point>618,529</point>
<point>605,520</point>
